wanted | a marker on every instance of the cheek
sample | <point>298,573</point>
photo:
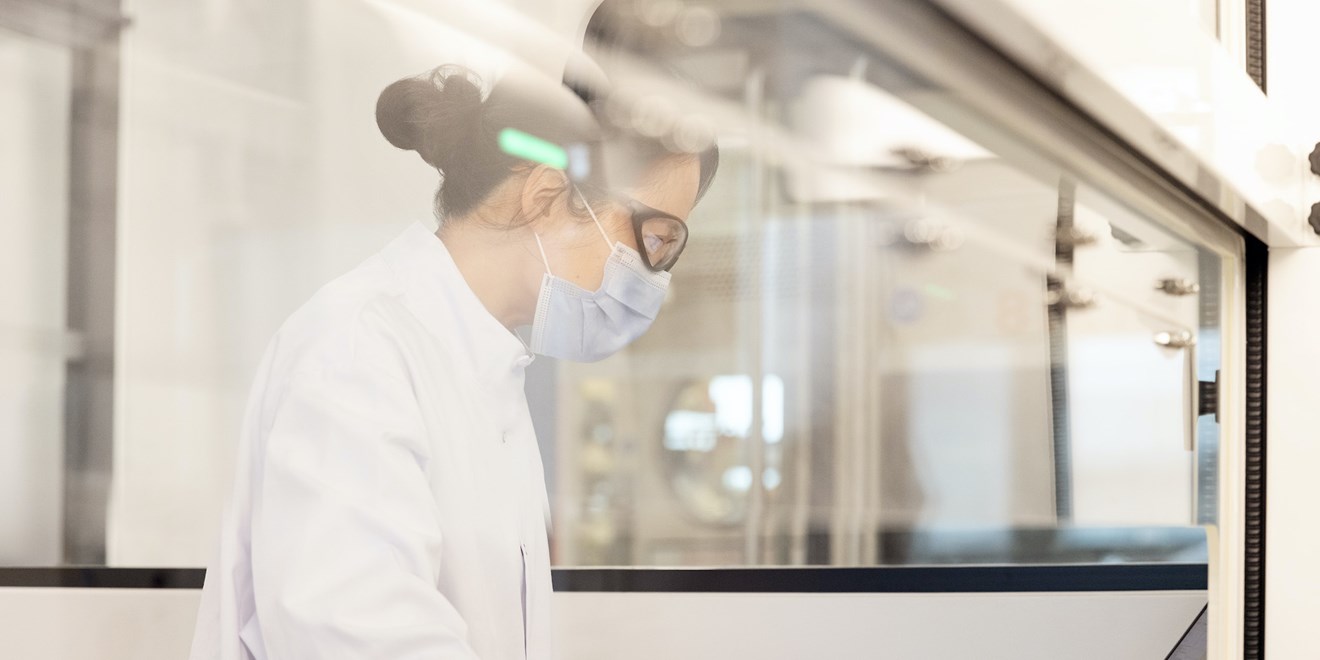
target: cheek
<point>623,233</point>
<point>587,264</point>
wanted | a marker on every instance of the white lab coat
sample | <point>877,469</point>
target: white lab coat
<point>390,499</point>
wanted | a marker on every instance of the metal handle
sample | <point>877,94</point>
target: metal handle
<point>1185,341</point>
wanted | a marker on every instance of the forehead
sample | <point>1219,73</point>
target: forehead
<point>670,185</point>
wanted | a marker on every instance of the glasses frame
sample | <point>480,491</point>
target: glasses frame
<point>639,214</point>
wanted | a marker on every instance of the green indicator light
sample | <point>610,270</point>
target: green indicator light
<point>529,147</point>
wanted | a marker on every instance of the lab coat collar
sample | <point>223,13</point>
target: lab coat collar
<point>442,299</point>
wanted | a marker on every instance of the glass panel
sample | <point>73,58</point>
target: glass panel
<point>1133,370</point>
<point>965,336</point>
<point>898,332</point>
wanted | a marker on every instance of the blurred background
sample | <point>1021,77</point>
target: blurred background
<point>902,333</point>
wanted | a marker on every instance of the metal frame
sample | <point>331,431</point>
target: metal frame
<point>1253,543</point>
<point>1255,38</point>
<point>1253,606</point>
<point>1057,321</point>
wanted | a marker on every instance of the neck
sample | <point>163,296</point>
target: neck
<point>495,264</point>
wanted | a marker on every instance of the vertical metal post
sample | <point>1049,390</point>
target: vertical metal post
<point>754,97</point>
<point>1253,606</point>
<point>798,459</point>
<point>89,402</point>
<point>1256,66</point>
<point>1206,456</point>
<point>822,397</point>
<point>1058,346</point>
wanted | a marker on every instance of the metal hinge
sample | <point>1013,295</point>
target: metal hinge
<point>1207,397</point>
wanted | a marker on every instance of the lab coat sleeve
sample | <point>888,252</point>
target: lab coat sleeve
<point>346,535</point>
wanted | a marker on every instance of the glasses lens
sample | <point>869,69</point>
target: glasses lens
<point>663,239</point>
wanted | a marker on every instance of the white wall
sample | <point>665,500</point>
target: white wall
<point>1292,579</point>
<point>106,624</point>
<point>34,170</point>
<point>115,624</point>
<point>1089,626</point>
<point>1292,585</point>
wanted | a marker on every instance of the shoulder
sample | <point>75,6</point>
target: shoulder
<point>350,324</point>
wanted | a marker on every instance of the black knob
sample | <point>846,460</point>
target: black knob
<point>1314,218</point>
<point>1315,159</point>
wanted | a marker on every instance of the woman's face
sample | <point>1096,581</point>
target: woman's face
<point>577,252</point>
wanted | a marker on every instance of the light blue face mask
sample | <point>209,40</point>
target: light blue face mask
<point>572,323</point>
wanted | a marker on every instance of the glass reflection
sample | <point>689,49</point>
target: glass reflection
<point>897,333</point>
<point>706,436</point>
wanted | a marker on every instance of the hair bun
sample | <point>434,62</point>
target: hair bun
<point>432,114</point>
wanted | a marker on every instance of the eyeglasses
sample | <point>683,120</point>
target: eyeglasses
<point>660,236</point>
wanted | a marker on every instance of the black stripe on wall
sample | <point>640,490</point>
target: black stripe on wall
<point>882,579</point>
<point>891,579</point>
<point>101,577</point>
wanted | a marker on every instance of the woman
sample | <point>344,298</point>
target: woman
<point>390,500</point>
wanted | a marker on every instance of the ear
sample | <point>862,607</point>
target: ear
<point>541,190</point>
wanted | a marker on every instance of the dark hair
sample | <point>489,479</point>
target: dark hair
<point>445,117</point>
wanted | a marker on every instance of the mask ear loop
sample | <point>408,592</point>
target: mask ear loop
<point>594,219</point>
<point>592,213</point>
<point>541,248</point>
